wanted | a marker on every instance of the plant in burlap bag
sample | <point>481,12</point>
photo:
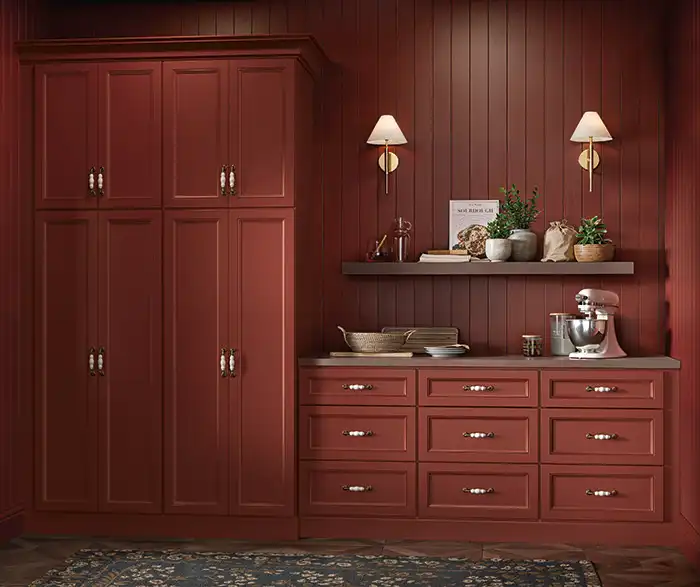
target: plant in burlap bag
<point>559,241</point>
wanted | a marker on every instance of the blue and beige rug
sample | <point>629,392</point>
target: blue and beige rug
<point>171,568</point>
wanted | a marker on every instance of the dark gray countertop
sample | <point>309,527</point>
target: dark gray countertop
<point>510,361</point>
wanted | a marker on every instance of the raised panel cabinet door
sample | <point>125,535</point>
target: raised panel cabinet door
<point>262,391</point>
<point>195,134</point>
<point>197,338</point>
<point>130,142</point>
<point>262,133</point>
<point>130,347</point>
<point>65,129</point>
<point>65,361</point>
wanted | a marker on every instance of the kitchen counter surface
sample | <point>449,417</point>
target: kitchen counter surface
<point>509,361</point>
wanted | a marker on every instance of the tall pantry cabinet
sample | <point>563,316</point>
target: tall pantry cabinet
<point>175,206</point>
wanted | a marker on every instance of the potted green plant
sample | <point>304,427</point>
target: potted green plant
<point>591,243</point>
<point>498,247</point>
<point>521,213</point>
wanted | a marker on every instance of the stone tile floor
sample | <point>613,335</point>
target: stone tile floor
<point>28,558</point>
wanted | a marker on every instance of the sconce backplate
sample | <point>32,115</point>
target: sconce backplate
<point>583,159</point>
<point>393,162</point>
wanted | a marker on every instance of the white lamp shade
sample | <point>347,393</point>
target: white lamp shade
<point>591,125</point>
<point>387,131</point>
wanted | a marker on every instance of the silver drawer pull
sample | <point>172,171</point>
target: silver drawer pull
<point>477,490</point>
<point>601,492</point>
<point>612,436</point>
<point>478,388</point>
<point>357,386</point>
<point>478,434</point>
<point>601,389</point>
<point>357,488</point>
<point>357,433</point>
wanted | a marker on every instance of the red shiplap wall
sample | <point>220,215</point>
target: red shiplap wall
<point>487,93</point>
<point>683,237</point>
<point>15,24</point>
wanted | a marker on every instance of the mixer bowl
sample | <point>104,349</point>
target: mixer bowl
<point>586,333</point>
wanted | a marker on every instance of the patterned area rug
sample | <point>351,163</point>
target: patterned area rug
<point>171,568</point>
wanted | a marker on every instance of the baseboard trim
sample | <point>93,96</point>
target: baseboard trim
<point>690,545</point>
<point>161,526</point>
<point>11,525</point>
<point>617,533</point>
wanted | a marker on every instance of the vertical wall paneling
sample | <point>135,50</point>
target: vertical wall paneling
<point>487,94</point>
<point>683,240</point>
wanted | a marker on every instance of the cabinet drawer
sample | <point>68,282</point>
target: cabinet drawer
<point>478,435</point>
<point>332,488</point>
<point>357,386</point>
<point>478,491</point>
<point>571,492</point>
<point>629,437</point>
<point>471,387</point>
<point>357,433</point>
<point>602,388</point>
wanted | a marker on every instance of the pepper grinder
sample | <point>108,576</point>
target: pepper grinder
<point>402,239</point>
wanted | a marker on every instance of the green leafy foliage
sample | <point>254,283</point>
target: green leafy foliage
<point>499,227</point>
<point>592,232</point>
<point>521,213</point>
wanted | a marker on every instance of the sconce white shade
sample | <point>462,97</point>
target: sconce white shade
<point>590,126</point>
<point>387,132</point>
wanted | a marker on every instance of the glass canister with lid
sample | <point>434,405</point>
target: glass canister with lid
<point>558,334</point>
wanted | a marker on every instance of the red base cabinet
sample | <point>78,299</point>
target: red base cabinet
<point>167,283</point>
<point>582,455</point>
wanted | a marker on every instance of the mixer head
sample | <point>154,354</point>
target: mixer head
<point>597,301</point>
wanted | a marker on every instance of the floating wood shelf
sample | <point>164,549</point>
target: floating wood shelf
<point>485,268</point>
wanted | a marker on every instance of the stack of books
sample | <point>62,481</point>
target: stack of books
<point>444,257</point>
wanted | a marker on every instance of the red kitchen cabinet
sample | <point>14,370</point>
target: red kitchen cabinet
<point>228,133</point>
<point>98,135</point>
<point>98,350</point>
<point>229,369</point>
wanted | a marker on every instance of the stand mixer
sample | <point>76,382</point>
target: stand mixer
<point>594,336</point>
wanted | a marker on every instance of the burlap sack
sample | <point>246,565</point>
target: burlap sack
<point>559,241</point>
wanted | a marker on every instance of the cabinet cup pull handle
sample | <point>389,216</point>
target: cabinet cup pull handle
<point>91,182</point>
<point>478,388</point>
<point>232,362</point>
<point>601,492</point>
<point>232,181</point>
<point>222,180</point>
<point>612,436</point>
<point>358,433</point>
<point>478,434</point>
<point>478,490</point>
<point>101,361</point>
<point>91,361</point>
<point>101,181</point>
<point>222,362</point>
<point>601,388</point>
<point>357,386</point>
<point>357,488</point>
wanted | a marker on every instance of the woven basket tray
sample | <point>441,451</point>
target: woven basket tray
<point>375,342</point>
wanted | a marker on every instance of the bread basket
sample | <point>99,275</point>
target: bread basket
<point>375,342</point>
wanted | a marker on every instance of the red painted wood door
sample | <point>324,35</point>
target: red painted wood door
<point>262,392</point>
<point>130,337</point>
<point>66,397</point>
<point>196,329</point>
<point>262,133</point>
<point>130,135</point>
<point>65,135</point>
<point>195,133</point>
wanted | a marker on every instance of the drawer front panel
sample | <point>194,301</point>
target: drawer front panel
<point>571,492</point>
<point>355,386</point>
<point>357,433</point>
<point>602,388</point>
<point>478,491</point>
<point>357,489</point>
<point>629,437</point>
<point>478,435</point>
<point>471,387</point>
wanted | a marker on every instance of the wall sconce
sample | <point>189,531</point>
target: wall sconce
<point>387,132</point>
<point>591,129</point>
